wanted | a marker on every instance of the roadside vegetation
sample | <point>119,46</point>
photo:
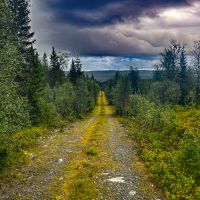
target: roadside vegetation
<point>36,92</point>
<point>163,117</point>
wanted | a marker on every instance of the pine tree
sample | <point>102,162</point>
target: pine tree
<point>56,74</point>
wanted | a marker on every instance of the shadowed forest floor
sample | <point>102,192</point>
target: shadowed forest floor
<point>90,159</point>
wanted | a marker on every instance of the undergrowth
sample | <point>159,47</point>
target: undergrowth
<point>168,142</point>
<point>14,148</point>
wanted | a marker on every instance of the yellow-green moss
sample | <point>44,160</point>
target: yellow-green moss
<point>80,177</point>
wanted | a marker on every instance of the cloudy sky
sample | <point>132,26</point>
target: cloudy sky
<point>114,34</point>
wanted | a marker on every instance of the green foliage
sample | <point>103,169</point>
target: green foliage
<point>142,109</point>
<point>3,150</point>
<point>134,78</point>
<point>92,151</point>
<point>189,154</point>
<point>118,91</point>
<point>196,66</point>
<point>26,97</point>
<point>170,60</point>
<point>167,135</point>
<point>81,97</point>
<point>35,85</point>
<point>20,13</point>
<point>14,149</point>
<point>75,72</point>
<point>165,92</point>
<point>13,108</point>
<point>169,147</point>
<point>183,77</point>
<point>64,100</point>
<point>56,74</point>
<point>72,73</point>
<point>48,112</point>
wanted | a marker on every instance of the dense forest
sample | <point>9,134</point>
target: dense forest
<point>34,91</point>
<point>163,116</point>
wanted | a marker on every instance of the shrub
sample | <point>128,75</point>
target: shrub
<point>166,92</point>
<point>48,113</point>
<point>189,154</point>
<point>142,110</point>
<point>64,98</point>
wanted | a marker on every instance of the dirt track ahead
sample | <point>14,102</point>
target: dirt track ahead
<point>91,159</point>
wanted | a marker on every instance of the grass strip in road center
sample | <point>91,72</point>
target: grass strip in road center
<point>80,180</point>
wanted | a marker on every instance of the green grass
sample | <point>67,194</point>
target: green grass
<point>15,151</point>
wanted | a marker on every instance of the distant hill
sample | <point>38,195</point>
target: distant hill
<point>106,75</point>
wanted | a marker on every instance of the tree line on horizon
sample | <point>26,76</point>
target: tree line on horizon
<point>174,80</point>
<point>34,91</point>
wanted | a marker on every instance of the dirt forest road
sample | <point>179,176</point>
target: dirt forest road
<point>91,159</point>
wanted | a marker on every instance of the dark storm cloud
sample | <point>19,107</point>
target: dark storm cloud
<point>102,12</point>
<point>133,28</point>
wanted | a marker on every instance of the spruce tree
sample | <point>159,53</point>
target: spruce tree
<point>13,108</point>
<point>56,74</point>
<point>20,10</point>
<point>45,61</point>
<point>121,94</point>
<point>78,67</point>
<point>134,79</point>
<point>36,84</point>
<point>45,66</point>
<point>170,60</point>
<point>73,73</point>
